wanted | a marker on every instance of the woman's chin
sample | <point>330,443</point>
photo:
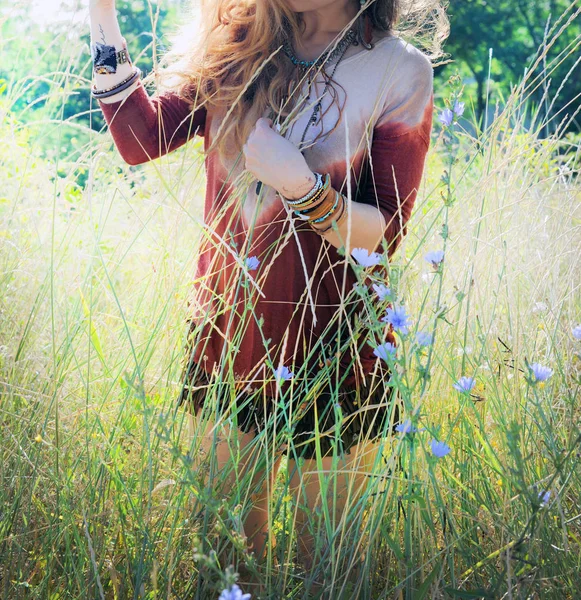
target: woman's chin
<point>298,5</point>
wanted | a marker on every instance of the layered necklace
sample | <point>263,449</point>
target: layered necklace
<point>348,39</point>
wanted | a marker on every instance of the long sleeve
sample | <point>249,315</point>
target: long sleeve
<point>145,128</point>
<point>400,142</point>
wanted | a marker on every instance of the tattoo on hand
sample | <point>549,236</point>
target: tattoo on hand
<point>300,190</point>
<point>102,33</point>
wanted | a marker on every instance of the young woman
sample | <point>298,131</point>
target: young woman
<point>316,120</point>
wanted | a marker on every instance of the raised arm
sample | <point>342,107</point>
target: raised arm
<point>143,127</point>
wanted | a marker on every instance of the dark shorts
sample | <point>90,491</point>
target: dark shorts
<point>362,414</point>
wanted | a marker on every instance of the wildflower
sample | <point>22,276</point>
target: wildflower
<point>38,438</point>
<point>464,384</point>
<point>384,349</point>
<point>365,259</point>
<point>252,263</point>
<point>448,114</point>
<point>540,307</point>
<point>447,117</point>
<point>381,290</point>
<point>540,372</point>
<point>397,318</point>
<point>407,427</point>
<point>544,497</point>
<point>577,332</point>
<point>424,339</point>
<point>435,257</point>
<point>459,108</point>
<point>234,593</point>
<point>439,449</point>
<point>283,373</point>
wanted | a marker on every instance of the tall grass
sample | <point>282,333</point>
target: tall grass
<point>100,497</point>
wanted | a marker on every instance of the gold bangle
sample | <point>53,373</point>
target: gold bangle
<point>305,213</point>
<point>322,207</point>
<point>329,214</point>
<point>338,220</point>
<point>310,201</point>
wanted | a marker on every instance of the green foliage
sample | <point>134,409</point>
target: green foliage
<point>515,30</point>
<point>101,494</point>
<point>48,82</point>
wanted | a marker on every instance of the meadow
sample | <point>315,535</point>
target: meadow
<point>478,496</point>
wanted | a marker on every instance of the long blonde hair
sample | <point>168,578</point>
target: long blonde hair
<point>228,55</point>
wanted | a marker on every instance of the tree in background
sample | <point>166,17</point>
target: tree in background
<point>45,72</point>
<point>50,79</point>
<point>515,30</point>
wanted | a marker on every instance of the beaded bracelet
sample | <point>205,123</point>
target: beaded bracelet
<point>310,193</point>
<point>314,197</point>
<point>321,208</point>
<point>330,212</point>
<point>338,220</point>
<point>315,200</point>
<point>314,209</point>
<point>123,85</point>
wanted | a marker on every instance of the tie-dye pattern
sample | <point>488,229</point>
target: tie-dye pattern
<point>375,155</point>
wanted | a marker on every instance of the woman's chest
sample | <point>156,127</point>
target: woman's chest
<point>331,123</point>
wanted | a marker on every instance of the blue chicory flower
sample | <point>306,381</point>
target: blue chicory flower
<point>435,257</point>
<point>464,384</point>
<point>252,263</point>
<point>423,338</point>
<point>381,290</point>
<point>234,593</point>
<point>544,497</point>
<point>407,427</point>
<point>447,117</point>
<point>384,349</point>
<point>398,319</point>
<point>577,332</point>
<point>459,108</point>
<point>448,114</point>
<point>362,256</point>
<point>283,373</point>
<point>540,372</point>
<point>439,449</point>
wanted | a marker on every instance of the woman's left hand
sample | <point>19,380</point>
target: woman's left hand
<point>277,162</point>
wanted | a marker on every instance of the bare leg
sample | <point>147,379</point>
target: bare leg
<point>256,522</point>
<point>232,464</point>
<point>346,483</point>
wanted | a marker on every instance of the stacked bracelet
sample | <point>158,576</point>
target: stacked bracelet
<point>321,205</point>
<point>329,212</point>
<point>122,85</point>
<point>341,211</point>
<point>309,195</point>
<point>321,208</point>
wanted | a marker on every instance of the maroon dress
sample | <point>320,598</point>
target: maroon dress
<point>297,308</point>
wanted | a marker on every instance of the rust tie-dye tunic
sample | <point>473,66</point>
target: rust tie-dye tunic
<point>387,100</point>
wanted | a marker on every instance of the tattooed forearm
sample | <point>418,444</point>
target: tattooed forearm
<point>111,62</point>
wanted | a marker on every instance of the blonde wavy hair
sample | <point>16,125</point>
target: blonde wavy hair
<point>228,55</point>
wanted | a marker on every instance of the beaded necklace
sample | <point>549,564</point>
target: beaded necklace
<point>349,38</point>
